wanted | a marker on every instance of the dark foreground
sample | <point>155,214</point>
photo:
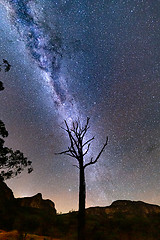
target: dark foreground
<point>123,220</point>
<point>36,219</point>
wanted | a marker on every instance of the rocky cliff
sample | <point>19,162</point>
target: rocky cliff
<point>132,207</point>
<point>5,192</point>
<point>36,202</point>
<point>126,207</point>
<point>7,198</point>
<point>30,214</point>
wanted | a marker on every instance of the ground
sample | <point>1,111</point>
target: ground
<point>13,235</point>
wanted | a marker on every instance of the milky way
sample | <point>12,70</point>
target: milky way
<point>46,49</point>
<point>72,58</point>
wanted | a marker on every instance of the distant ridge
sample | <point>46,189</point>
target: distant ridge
<point>126,207</point>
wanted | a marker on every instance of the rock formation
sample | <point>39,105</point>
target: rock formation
<point>7,198</point>
<point>126,207</point>
<point>36,202</point>
<point>33,214</point>
<point>5,192</point>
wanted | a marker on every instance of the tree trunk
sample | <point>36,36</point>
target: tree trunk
<point>82,198</point>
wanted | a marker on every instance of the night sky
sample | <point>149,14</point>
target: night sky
<point>86,58</point>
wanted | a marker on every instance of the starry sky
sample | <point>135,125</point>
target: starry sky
<point>83,58</point>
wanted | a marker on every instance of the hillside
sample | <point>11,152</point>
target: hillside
<point>122,220</point>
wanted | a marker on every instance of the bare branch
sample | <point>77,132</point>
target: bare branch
<point>88,141</point>
<point>87,164</point>
<point>69,133</point>
<point>93,162</point>
<point>84,131</point>
<point>72,139</point>
<point>76,130</point>
<point>87,149</point>
<point>77,141</point>
<point>76,166</point>
<point>71,155</point>
<point>73,152</point>
<point>64,128</point>
<point>64,152</point>
<point>86,127</point>
<point>76,134</point>
<point>67,151</point>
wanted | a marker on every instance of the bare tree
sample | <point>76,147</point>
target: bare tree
<point>78,149</point>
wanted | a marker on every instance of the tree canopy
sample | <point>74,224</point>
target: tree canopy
<point>12,162</point>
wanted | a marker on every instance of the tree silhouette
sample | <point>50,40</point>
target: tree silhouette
<point>5,65</point>
<point>12,162</point>
<point>78,149</point>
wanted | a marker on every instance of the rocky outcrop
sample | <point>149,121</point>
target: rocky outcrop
<point>7,199</point>
<point>127,208</point>
<point>5,192</point>
<point>132,207</point>
<point>31,214</point>
<point>36,202</point>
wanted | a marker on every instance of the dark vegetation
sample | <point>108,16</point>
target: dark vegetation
<point>12,162</point>
<point>27,220</point>
<point>120,227</point>
<point>98,226</point>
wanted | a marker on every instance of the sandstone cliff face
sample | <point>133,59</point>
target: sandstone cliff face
<point>36,202</point>
<point>5,192</point>
<point>7,198</point>
<point>127,208</point>
<point>132,207</point>
<point>31,214</point>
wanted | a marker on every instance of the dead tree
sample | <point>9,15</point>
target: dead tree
<point>78,149</point>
